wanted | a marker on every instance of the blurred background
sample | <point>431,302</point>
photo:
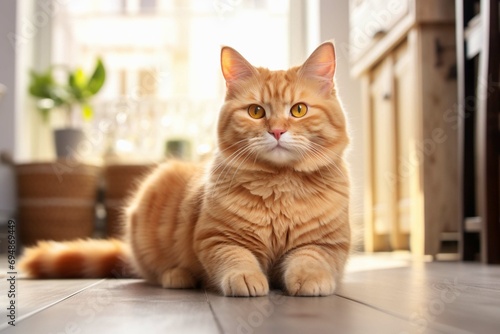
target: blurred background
<point>163,80</point>
<point>93,93</point>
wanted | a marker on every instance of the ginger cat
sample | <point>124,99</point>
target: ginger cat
<point>271,208</point>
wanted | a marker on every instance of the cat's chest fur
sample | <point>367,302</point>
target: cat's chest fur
<point>284,205</point>
<point>272,211</point>
<point>272,206</point>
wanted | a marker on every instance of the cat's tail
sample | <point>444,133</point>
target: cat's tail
<point>89,258</point>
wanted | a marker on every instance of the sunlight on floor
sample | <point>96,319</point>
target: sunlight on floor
<point>364,262</point>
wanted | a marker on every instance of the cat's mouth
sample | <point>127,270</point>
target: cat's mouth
<point>279,146</point>
<point>280,154</point>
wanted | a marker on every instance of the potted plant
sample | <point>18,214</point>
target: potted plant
<point>72,94</point>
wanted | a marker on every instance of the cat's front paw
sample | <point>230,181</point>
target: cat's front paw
<point>245,284</point>
<point>309,281</point>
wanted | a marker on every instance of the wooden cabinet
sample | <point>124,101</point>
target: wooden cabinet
<point>478,36</point>
<point>410,120</point>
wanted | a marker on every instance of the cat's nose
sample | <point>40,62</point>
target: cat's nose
<point>277,133</point>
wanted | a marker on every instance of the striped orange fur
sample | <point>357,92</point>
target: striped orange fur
<point>79,258</point>
<point>270,209</point>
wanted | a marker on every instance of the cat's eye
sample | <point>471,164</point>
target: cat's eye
<point>256,111</point>
<point>298,110</point>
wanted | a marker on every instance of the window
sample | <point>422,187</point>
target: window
<point>162,61</point>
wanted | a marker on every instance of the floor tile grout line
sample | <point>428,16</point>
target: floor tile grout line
<point>32,313</point>
<point>374,307</point>
<point>216,318</point>
<point>402,317</point>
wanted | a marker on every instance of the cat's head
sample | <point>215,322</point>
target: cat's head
<point>287,118</point>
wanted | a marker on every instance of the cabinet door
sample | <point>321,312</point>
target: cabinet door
<point>407,162</point>
<point>383,153</point>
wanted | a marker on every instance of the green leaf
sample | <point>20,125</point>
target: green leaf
<point>41,84</point>
<point>78,79</point>
<point>97,79</point>
<point>60,95</point>
<point>78,89</point>
<point>77,83</point>
<point>88,112</point>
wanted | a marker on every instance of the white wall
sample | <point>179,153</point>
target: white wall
<point>8,9</point>
<point>20,25</point>
<point>334,24</point>
<point>303,29</point>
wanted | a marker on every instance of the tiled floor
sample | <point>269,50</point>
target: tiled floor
<point>380,294</point>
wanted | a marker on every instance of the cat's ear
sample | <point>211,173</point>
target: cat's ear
<point>320,66</point>
<point>234,66</point>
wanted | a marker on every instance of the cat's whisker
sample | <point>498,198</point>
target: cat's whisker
<point>334,180</point>
<point>319,148</point>
<point>250,150</point>
<point>308,152</point>
<point>239,152</point>
<point>316,150</point>
<point>318,166</point>
<point>321,156</point>
<point>305,154</point>
<point>326,149</point>
<point>228,159</point>
<point>221,155</point>
<point>237,155</point>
